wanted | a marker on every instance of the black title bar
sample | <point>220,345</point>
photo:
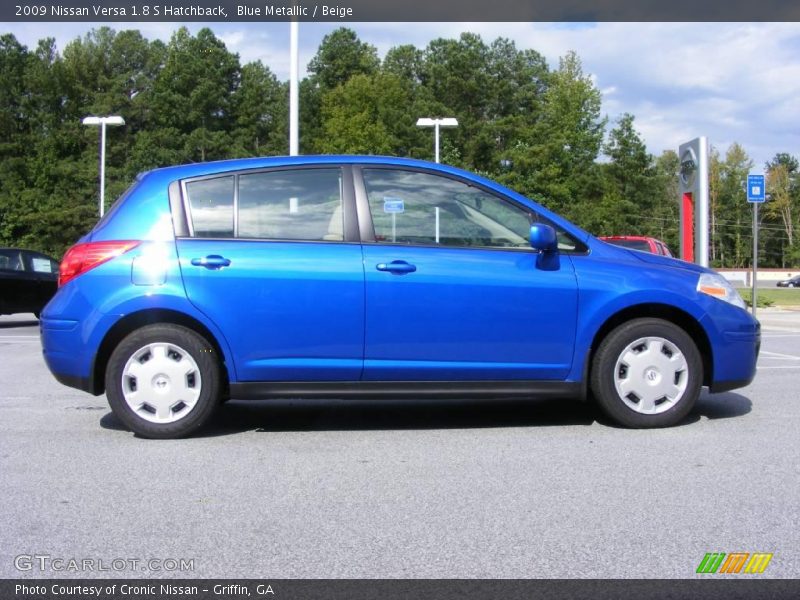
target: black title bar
<point>405,10</point>
<point>730,588</point>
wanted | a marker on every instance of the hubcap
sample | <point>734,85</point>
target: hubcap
<point>651,375</point>
<point>161,382</point>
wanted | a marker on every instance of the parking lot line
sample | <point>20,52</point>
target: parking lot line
<point>778,355</point>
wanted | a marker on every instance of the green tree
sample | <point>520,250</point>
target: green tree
<point>260,106</point>
<point>631,177</point>
<point>556,161</point>
<point>342,55</point>
<point>734,217</point>
<point>193,94</point>
<point>367,115</point>
<point>405,62</point>
<point>666,208</point>
<point>783,206</point>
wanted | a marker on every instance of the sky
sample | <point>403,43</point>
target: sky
<point>732,82</point>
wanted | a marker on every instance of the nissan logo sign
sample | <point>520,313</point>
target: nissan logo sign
<point>688,167</point>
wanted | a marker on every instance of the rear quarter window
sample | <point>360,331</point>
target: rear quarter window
<point>211,206</point>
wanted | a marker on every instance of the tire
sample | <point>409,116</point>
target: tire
<point>163,381</point>
<point>647,373</point>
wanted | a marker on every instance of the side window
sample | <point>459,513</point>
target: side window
<point>42,264</point>
<point>11,260</point>
<point>410,207</point>
<point>211,206</point>
<point>300,204</point>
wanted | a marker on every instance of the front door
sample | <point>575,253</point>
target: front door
<point>454,290</point>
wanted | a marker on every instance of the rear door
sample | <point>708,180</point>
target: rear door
<point>453,289</point>
<point>272,257</point>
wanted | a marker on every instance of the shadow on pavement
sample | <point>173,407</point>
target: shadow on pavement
<point>364,415</point>
<point>359,415</point>
<point>15,324</point>
<point>722,406</point>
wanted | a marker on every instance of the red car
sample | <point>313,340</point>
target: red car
<point>638,242</point>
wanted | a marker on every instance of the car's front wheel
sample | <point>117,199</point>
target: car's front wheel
<point>647,373</point>
<point>163,381</point>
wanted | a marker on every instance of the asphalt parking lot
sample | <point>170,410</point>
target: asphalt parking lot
<point>423,489</point>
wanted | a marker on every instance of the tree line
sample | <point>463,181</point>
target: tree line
<point>537,129</point>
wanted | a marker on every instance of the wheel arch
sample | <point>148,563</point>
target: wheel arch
<point>666,312</point>
<point>139,319</point>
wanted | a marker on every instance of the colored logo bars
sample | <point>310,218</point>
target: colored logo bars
<point>736,562</point>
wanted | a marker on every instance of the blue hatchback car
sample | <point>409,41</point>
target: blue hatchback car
<point>373,277</point>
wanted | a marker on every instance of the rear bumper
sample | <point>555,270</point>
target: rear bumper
<point>61,349</point>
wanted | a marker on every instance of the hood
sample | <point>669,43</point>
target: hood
<point>655,259</point>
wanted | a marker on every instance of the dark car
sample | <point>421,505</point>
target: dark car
<point>792,282</point>
<point>28,280</point>
<point>638,242</point>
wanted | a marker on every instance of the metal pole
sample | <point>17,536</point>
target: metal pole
<point>701,204</point>
<point>755,255</point>
<point>294,96</point>
<point>436,142</point>
<point>102,168</point>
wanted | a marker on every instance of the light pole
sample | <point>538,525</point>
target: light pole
<point>294,93</point>
<point>436,124</point>
<point>102,122</point>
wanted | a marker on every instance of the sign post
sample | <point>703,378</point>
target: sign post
<point>756,194</point>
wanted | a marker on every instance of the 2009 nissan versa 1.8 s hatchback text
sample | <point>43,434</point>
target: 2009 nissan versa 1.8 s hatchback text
<point>348,276</point>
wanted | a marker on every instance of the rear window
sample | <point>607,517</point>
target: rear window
<point>292,204</point>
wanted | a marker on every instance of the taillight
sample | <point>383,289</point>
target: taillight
<point>83,257</point>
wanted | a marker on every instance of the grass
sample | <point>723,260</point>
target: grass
<point>773,296</point>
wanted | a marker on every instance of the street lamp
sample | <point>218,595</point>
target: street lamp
<point>436,124</point>
<point>102,122</point>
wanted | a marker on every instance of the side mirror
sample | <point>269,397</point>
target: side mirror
<point>543,238</point>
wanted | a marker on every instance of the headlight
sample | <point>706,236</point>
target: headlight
<point>716,285</point>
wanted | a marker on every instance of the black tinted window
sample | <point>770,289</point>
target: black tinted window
<point>11,260</point>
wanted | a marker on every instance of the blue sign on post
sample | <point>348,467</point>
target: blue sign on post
<point>393,205</point>
<point>756,191</point>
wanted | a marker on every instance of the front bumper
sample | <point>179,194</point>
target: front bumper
<point>736,356</point>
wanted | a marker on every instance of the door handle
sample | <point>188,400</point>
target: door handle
<point>399,267</point>
<point>214,261</point>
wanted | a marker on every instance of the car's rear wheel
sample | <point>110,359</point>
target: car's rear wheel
<point>647,373</point>
<point>163,381</point>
